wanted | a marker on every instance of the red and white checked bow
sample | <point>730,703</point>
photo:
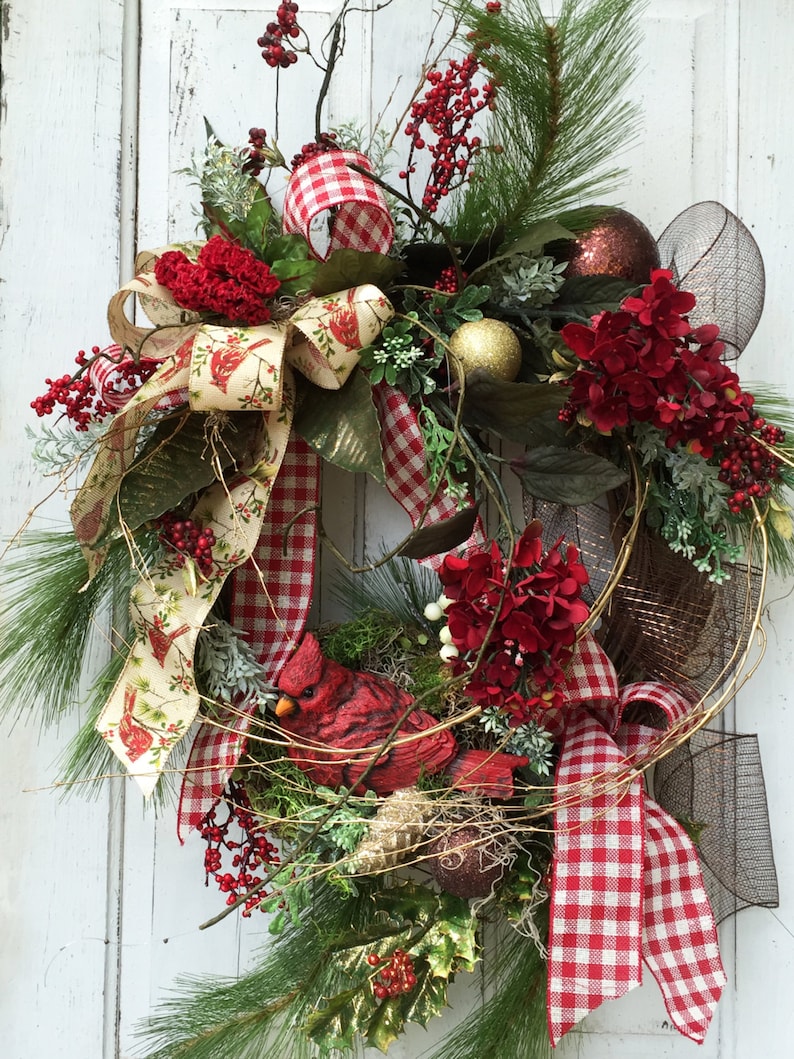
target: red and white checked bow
<point>362,220</point>
<point>626,884</point>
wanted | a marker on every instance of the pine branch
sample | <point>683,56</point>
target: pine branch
<point>52,619</point>
<point>259,1015</point>
<point>512,1022</point>
<point>559,114</point>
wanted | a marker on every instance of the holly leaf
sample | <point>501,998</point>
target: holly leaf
<point>428,998</point>
<point>177,461</point>
<point>336,1024</point>
<point>518,411</point>
<point>566,476</point>
<point>585,296</point>
<point>342,426</point>
<point>386,1024</point>
<point>350,268</point>
<point>438,930</point>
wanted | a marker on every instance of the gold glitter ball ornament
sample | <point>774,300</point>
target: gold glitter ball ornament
<point>487,344</point>
<point>619,244</point>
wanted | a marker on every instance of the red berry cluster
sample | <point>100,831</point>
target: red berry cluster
<point>256,161</point>
<point>749,466</point>
<point>493,7</point>
<point>447,281</point>
<point>272,40</point>
<point>251,852</point>
<point>184,537</point>
<point>75,393</point>
<point>447,109</point>
<point>326,142</point>
<point>78,395</point>
<point>395,978</point>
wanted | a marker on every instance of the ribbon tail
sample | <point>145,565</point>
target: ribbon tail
<point>595,928</point>
<point>680,947</point>
<point>271,595</point>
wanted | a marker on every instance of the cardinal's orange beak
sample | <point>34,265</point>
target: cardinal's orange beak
<point>285,705</point>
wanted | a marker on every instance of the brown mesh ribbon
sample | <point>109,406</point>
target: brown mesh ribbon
<point>714,256</point>
<point>714,786</point>
<point>664,621</point>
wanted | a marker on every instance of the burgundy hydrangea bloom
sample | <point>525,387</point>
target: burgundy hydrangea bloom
<point>226,279</point>
<point>646,364</point>
<point>534,604</point>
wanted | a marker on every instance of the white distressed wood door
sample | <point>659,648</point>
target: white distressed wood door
<point>102,102</point>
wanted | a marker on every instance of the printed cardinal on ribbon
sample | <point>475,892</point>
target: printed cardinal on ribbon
<point>626,883</point>
<point>216,369</point>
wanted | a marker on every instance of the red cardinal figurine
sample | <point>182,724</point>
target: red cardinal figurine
<point>333,712</point>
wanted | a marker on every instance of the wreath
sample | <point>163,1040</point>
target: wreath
<point>459,771</point>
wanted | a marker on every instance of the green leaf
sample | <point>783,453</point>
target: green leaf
<point>536,236</point>
<point>342,426</point>
<point>566,476</point>
<point>256,222</point>
<point>533,241</point>
<point>350,268</point>
<point>441,536</point>
<point>295,275</point>
<point>585,296</point>
<point>287,248</point>
<point>470,297</point>
<point>450,944</point>
<point>177,461</point>
<point>519,411</point>
<point>386,1024</point>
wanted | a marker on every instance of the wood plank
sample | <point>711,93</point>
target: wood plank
<point>61,121</point>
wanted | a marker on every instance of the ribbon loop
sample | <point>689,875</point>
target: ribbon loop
<point>361,220</point>
<point>621,864</point>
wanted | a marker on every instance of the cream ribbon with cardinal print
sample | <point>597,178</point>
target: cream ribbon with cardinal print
<point>218,369</point>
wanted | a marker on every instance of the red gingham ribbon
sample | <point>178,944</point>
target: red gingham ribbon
<point>105,377</point>
<point>270,599</point>
<point>362,220</point>
<point>405,463</point>
<point>272,593</point>
<point>626,881</point>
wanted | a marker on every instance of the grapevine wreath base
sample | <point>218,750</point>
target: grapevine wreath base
<point>460,772</point>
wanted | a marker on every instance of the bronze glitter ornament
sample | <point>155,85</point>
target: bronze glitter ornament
<point>465,864</point>
<point>487,344</point>
<point>618,245</point>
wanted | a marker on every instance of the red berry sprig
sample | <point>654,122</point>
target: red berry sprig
<point>395,978</point>
<point>447,110</point>
<point>78,396</point>
<point>256,161</point>
<point>272,40</point>
<point>253,851</point>
<point>447,281</point>
<point>326,142</point>
<point>749,466</point>
<point>185,538</point>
